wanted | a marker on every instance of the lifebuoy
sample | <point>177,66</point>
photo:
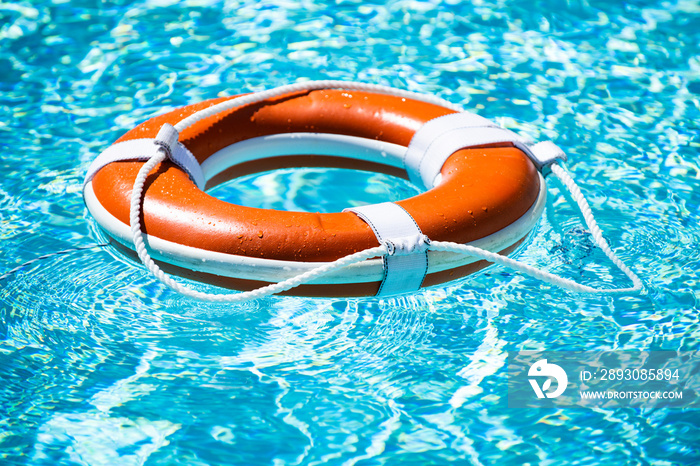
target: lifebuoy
<point>490,195</point>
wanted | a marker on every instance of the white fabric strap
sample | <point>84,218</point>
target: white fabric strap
<point>544,154</point>
<point>406,263</point>
<point>424,158</point>
<point>144,149</point>
<point>441,137</point>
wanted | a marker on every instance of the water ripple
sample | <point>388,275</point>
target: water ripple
<point>100,364</point>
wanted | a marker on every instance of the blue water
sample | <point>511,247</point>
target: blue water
<point>100,364</point>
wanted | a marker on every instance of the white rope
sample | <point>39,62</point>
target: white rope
<point>595,230</point>
<point>135,221</point>
<point>541,274</point>
<point>309,86</point>
<point>381,250</point>
<point>137,195</point>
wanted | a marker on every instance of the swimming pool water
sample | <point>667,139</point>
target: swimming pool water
<point>100,364</point>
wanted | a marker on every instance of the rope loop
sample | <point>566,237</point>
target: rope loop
<point>551,155</point>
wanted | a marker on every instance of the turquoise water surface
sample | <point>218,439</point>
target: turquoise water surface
<point>100,364</point>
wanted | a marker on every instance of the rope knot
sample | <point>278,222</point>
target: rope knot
<point>166,139</point>
<point>405,245</point>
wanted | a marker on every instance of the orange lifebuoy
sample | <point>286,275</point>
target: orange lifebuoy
<point>482,191</point>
